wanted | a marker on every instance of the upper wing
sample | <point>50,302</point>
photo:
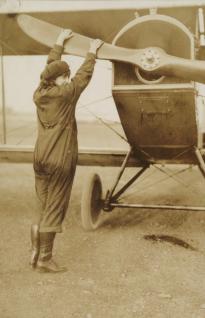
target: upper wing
<point>98,23</point>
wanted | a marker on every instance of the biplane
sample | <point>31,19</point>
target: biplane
<point>157,57</point>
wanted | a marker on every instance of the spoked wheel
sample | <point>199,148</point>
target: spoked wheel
<point>92,203</point>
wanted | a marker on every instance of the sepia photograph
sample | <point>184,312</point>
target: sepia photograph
<point>102,158</point>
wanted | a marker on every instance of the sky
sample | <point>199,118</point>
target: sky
<point>21,77</point>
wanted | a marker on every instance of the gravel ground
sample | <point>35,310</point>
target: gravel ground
<point>113,271</point>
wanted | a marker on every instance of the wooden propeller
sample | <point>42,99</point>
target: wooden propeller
<point>151,60</point>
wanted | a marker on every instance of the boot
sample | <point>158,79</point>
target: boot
<point>45,262</point>
<point>35,243</point>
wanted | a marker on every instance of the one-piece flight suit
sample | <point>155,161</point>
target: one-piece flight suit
<point>56,149</point>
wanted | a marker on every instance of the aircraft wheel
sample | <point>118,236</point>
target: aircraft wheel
<point>91,204</point>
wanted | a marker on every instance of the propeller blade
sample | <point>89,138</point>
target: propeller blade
<point>193,70</point>
<point>47,33</point>
<point>151,60</point>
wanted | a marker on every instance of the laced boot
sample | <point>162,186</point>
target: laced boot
<point>45,262</point>
<point>35,245</point>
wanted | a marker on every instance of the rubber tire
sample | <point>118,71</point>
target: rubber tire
<point>91,204</point>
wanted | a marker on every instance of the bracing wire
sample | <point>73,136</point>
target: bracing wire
<point>93,102</point>
<point>22,139</point>
<point>101,120</point>
<point>153,183</point>
<point>171,176</point>
<point>17,128</point>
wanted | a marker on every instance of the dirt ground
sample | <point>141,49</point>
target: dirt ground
<point>113,271</point>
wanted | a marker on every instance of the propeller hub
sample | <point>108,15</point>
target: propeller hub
<point>149,59</point>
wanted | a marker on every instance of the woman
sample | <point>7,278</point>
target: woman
<point>56,148</point>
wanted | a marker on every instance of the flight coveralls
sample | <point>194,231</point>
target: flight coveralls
<point>56,148</point>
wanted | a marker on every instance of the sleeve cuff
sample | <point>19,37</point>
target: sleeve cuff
<point>89,54</point>
<point>58,48</point>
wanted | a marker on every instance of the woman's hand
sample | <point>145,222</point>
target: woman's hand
<point>65,34</point>
<point>95,45</point>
